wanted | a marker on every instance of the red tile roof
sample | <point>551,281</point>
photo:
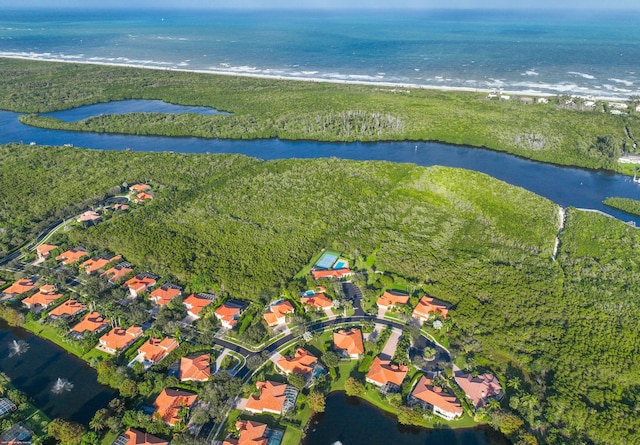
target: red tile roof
<point>196,368</point>
<point>382,372</point>
<point>301,363</point>
<point>164,294</point>
<point>139,283</point>
<point>44,297</point>
<point>89,215</point>
<point>92,322</point>
<point>250,433</point>
<point>334,273</point>
<point>135,437</point>
<point>169,403</point>
<point>45,249</point>
<point>349,341</point>
<point>195,304</point>
<point>277,313</point>
<point>155,349</point>
<point>119,339</point>
<point>228,313</point>
<point>143,196</point>
<point>21,286</point>
<point>478,388</point>
<point>317,300</point>
<point>435,396</point>
<point>94,264</point>
<point>117,272</point>
<point>392,299</point>
<point>271,398</point>
<point>426,306</point>
<point>72,256</point>
<point>120,207</point>
<point>69,308</point>
<point>140,187</point>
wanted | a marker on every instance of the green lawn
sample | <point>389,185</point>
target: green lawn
<point>49,333</point>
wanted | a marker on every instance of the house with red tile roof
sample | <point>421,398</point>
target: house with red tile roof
<point>92,322</point>
<point>154,350</point>
<point>164,294</point>
<point>140,188</point>
<point>478,389</point>
<point>349,343</point>
<point>391,299</point>
<point>89,217</point>
<point>144,196</point>
<point>20,287</point>
<point>316,301</point>
<point>332,273</point>
<point>72,256</point>
<point>170,402</point>
<point>229,313</point>
<point>118,339</point>
<point>43,298</point>
<point>195,368</point>
<point>250,433</point>
<point>122,207</point>
<point>195,303</point>
<point>427,306</point>
<point>435,398</point>
<point>68,309</point>
<point>275,398</point>
<point>44,250</point>
<point>384,373</point>
<point>302,362</point>
<point>93,265</point>
<point>135,437</point>
<point>140,283</point>
<point>277,312</point>
<point>117,273</point>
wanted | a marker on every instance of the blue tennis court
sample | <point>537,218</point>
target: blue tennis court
<point>327,260</point>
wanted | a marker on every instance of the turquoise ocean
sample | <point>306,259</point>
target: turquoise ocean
<point>560,52</point>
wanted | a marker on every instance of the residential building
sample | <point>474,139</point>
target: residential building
<point>6,407</point>
<point>170,402</point>
<point>89,217</point>
<point>118,339</point>
<point>316,301</point>
<point>275,398</point>
<point>383,373</point>
<point>164,294</point>
<point>92,322</point>
<point>119,206</point>
<point>348,343</point>
<point>154,350</point>
<point>135,437</point>
<point>302,362</point>
<point>118,272</point>
<point>478,389</point>
<point>277,313</point>
<point>69,309</point>
<point>72,256</point>
<point>140,283</point>
<point>140,188</point>
<point>20,287</point>
<point>254,433</point>
<point>18,434</point>
<point>389,300</point>
<point>44,250</point>
<point>229,313</point>
<point>195,303</point>
<point>332,273</point>
<point>195,368</point>
<point>42,299</point>
<point>436,399</point>
<point>143,196</point>
<point>93,265</point>
<point>427,306</point>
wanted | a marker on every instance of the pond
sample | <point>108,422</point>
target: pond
<point>352,421</point>
<point>58,383</point>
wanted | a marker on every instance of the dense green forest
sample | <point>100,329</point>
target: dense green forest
<point>560,132</point>
<point>564,333</point>
<point>631,206</point>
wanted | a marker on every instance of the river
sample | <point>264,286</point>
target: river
<point>351,421</point>
<point>37,369</point>
<point>565,186</point>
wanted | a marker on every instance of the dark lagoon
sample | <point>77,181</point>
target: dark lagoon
<point>351,421</point>
<point>36,372</point>
<point>565,186</point>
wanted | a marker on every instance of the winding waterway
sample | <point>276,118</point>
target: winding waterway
<point>37,370</point>
<point>563,185</point>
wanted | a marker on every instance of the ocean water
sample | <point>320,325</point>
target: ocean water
<point>559,52</point>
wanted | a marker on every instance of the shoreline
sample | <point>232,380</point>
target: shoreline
<point>220,72</point>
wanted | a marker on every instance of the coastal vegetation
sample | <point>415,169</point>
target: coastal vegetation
<point>631,206</point>
<point>562,333</point>
<point>266,108</point>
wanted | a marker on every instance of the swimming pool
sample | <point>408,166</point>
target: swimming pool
<point>340,264</point>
